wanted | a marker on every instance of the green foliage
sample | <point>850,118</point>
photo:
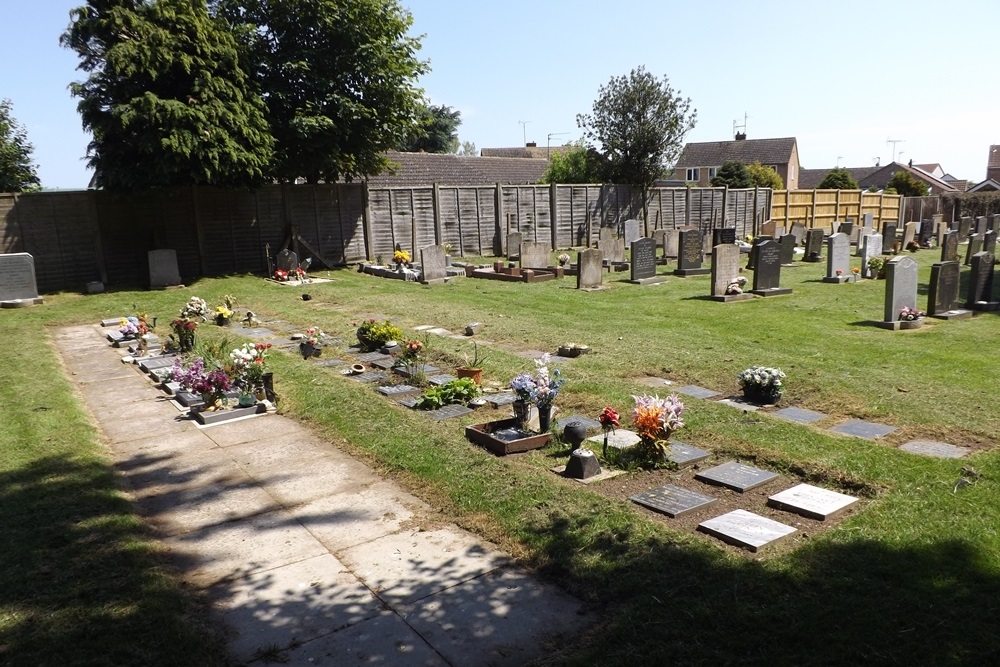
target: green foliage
<point>638,123</point>
<point>377,332</point>
<point>468,149</point>
<point>436,131</point>
<point>762,176</point>
<point>17,173</point>
<point>838,179</point>
<point>733,174</point>
<point>578,164</point>
<point>460,390</point>
<point>338,77</point>
<point>165,98</point>
<point>972,204</point>
<point>906,184</point>
<point>876,265</point>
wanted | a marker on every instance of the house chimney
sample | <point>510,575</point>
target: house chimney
<point>531,144</point>
<point>741,136</point>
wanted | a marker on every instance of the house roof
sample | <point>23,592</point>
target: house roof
<point>931,168</point>
<point>986,186</point>
<point>448,169</point>
<point>536,152</point>
<point>811,178</point>
<point>994,160</point>
<point>715,153</point>
<point>881,176</point>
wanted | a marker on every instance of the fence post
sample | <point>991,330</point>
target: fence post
<point>836,215</point>
<point>500,240</point>
<point>725,206</point>
<point>812,211</point>
<point>436,205</point>
<point>554,214</point>
<point>366,221</point>
<point>687,207</point>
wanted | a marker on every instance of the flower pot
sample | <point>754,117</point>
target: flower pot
<point>367,343</point>
<point>221,320</point>
<point>521,409</point>
<point>476,374</point>
<point>309,350</point>
<point>544,417</point>
<point>247,400</point>
<point>259,393</point>
<point>761,396</point>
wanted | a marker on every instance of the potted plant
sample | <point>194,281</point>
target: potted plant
<point>182,338</point>
<point>401,258</point>
<point>373,334</point>
<point>876,267</point>
<point>459,390</point>
<point>312,344</point>
<point>411,362</point>
<point>761,384</point>
<point>473,368</point>
<point>249,365</point>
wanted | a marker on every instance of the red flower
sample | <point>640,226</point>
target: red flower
<point>609,419</point>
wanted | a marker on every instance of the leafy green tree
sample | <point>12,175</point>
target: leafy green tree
<point>838,178</point>
<point>637,123</point>
<point>762,176</point>
<point>577,164</point>
<point>436,131</point>
<point>165,98</point>
<point>733,174</point>
<point>468,149</point>
<point>338,77</point>
<point>906,184</point>
<point>17,172</point>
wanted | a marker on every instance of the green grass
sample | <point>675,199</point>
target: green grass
<point>912,579</point>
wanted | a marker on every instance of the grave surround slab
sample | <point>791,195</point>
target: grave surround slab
<point>941,450</point>
<point>811,501</point>
<point>746,529</point>
<point>398,390</point>
<point>800,415</point>
<point>863,429</point>
<point>695,391</point>
<point>684,454</point>
<point>672,500</point>
<point>449,412</point>
<point>737,476</point>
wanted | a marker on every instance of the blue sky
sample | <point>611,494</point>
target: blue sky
<point>841,77</point>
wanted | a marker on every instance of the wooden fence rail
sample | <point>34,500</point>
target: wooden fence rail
<point>820,208</point>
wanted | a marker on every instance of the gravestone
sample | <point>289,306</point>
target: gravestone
<point>726,269</point>
<point>838,258</point>
<point>18,286</point>
<point>535,255</point>
<point>859,242</point>
<point>870,249</point>
<point>889,239</point>
<point>643,262</point>
<point>981,283</point>
<point>660,236</point>
<point>287,260</point>
<point>925,233</point>
<point>779,231</point>
<point>736,476</point>
<point>846,228</point>
<point>690,256</point>
<point>811,501</point>
<point>787,245</point>
<point>949,246</point>
<point>721,236</point>
<point>674,501</point>
<point>994,223</point>
<point>980,225</point>
<point>964,227</point>
<point>671,243</point>
<point>752,255</point>
<point>433,266</point>
<point>942,299</point>
<point>612,247</point>
<point>589,268</point>
<point>868,221</point>
<point>799,232</point>
<point>163,268</point>
<point>990,242</point>
<point>940,229</point>
<point>514,241</point>
<point>768,228</point>
<point>975,245</point>
<point>767,274</point>
<point>814,245</point>
<point>631,230</point>
<point>900,289</point>
<point>745,529</point>
<point>909,234</point>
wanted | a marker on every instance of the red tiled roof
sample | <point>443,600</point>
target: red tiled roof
<point>448,169</point>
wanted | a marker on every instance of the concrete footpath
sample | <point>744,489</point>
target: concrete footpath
<point>308,556</point>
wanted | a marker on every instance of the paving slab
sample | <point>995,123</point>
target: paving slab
<point>288,605</point>
<point>695,391</point>
<point>163,445</point>
<point>799,415</point>
<point>656,383</point>
<point>863,429</point>
<point>404,567</point>
<point>267,430</point>
<point>498,619</point>
<point>941,450</point>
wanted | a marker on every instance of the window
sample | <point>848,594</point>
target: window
<point>711,172</point>
<point>693,174</point>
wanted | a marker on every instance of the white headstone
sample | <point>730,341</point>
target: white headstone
<point>17,279</point>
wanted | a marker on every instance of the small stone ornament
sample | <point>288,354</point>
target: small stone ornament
<point>582,464</point>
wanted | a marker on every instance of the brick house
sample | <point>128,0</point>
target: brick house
<point>699,162</point>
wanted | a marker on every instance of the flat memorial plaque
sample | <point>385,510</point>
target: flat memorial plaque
<point>736,476</point>
<point>257,332</point>
<point>674,501</point>
<point>448,412</point>
<point>683,454</point>
<point>369,357</point>
<point>426,369</point>
<point>591,424</point>
<point>440,379</point>
<point>863,429</point>
<point>745,529</point>
<point>620,438</point>
<point>503,398</point>
<point>439,332</point>
<point>112,322</point>
<point>385,363</point>
<point>370,376</point>
<point>696,391</point>
<point>153,363</point>
<point>941,450</point>
<point>331,362</point>
<point>800,415</point>
<point>398,390</point>
<point>409,401</point>
<point>811,501</point>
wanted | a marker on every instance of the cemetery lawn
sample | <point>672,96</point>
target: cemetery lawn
<point>911,577</point>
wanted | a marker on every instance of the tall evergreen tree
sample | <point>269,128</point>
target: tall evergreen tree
<point>338,78</point>
<point>17,172</point>
<point>165,98</point>
<point>436,131</point>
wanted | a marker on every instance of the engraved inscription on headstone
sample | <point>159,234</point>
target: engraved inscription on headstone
<point>767,274</point>
<point>745,529</point>
<point>943,291</point>
<point>812,501</point>
<point>589,268</point>
<point>900,286</point>
<point>674,501</point>
<point>17,277</point>
<point>723,235</point>
<point>736,476</point>
<point>643,258</point>
<point>690,249</point>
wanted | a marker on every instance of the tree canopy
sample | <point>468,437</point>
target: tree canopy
<point>637,123</point>
<point>165,98</point>
<point>838,178</point>
<point>733,174</point>
<point>577,164</point>
<point>762,176</point>
<point>436,131</point>
<point>17,172</point>
<point>338,78</point>
<point>906,184</point>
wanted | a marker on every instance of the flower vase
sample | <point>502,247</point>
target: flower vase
<point>259,393</point>
<point>544,417</point>
<point>574,434</point>
<point>521,411</point>
<point>309,350</point>
<point>761,396</point>
<point>211,401</point>
<point>221,320</point>
<point>247,400</point>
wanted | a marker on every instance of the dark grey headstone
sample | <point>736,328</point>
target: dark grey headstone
<point>863,429</point>
<point>838,255</point>
<point>900,287</point>
<point>690,254</point>
<point>943,292</point>
<point>814,245</point>
<point>787,245</point>
<point>980,225</point>
<point>888,239</point>
<point>448,412</point>
<point>684,454</point>
<point>163,268</point>
<point>767,273</point>
<point>723,236</point>
<point>975,245</point>
<point>287,260</point>
<point>990,242</point>
<point>674,501</point>
<point>725,267</point>
<point>994,223</point>
<point>871,247</point>
<point>949,247</point>
<point>514,240</point>
<point>964,226</point>
<point>535,255</point>
<point>589,268</point>
<point>433,267</point>
<point>846,228</point>
<point>745,529</point>
<point>17,277</point>
<point>631,230</point>
<point>737,476</point>
<point>980,280</point>
<point>398,390</point>
<point>643,258</point>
